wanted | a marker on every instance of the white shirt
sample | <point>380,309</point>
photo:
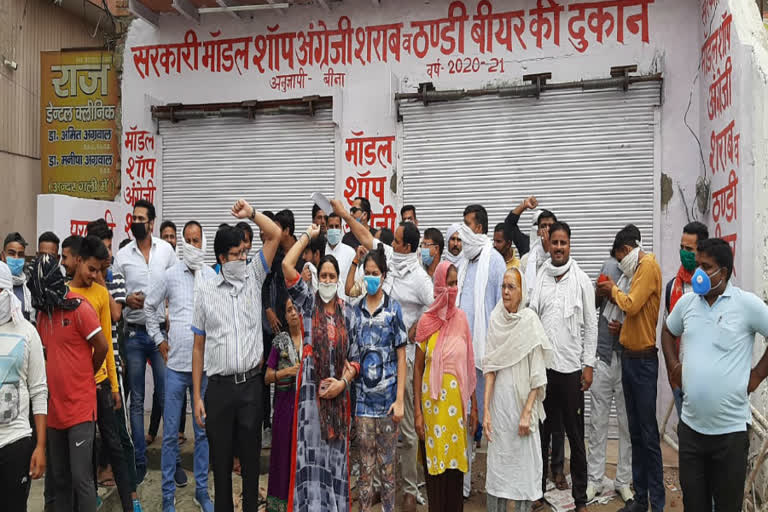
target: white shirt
<point>571,353</point>
<point>344,254</point>
<point>139,274</point>
<point>414,292</point>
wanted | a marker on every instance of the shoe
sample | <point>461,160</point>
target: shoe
<point>203,501</point>
<point>266,438</point>
<point>626,493</point>
<point>632,506</point>
<point>591,492</point>
<point>141,472</point>
<point>180,477</point>
<point>137,506</point>
<point>169,505</point>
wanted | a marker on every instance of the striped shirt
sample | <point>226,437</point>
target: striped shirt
<point>116,288</point>
<point>178,287</point>
<point>231,324</point>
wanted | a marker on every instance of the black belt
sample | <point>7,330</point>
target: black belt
<point>142,327</point>
<point>649,353</point>
<point>237,378</point>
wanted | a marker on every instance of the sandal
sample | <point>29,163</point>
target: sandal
<point>539,505</point>
<point>560,482</point>
<point>107,482</point>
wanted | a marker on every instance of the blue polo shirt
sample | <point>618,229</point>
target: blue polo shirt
<point>717,359</point>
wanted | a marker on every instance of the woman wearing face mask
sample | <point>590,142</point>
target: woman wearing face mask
<point>443,383</point>
<point>517,350</point>
<point>282,367</point>
<point>319,464</point>
<point>379,332</point>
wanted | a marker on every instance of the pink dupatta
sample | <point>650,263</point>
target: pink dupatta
<point>453,351</point>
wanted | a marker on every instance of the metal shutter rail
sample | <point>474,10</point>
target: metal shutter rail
<point>586,155</point>
<point>274,162</point>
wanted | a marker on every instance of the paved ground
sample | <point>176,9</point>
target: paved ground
<point>150,493</point>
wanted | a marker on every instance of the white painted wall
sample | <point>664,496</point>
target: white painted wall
<point>366,103</point>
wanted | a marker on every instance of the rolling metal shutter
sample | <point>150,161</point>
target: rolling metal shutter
<point>273,161</point>
<point>586,155</point>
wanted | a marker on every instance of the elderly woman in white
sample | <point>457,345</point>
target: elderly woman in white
<point>517,349</point>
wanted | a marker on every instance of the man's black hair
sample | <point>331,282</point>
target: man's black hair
<point>316,209</point>
<point>245,228</point>
<point>92,247</point>
<point>191,223</point>
<point>500,229</point>
<point>560,226</point>
<point>545,214</point>
<point>481,215</point>
<point>365,205</point>
<point>227,238</point>
<point>286,220</point>
<point>50,237</point>
<point>411,235</point>
<point>408,208</point>
<point>72,243</point>
<point>626,236</point>
<point>100,229</point>
<point>634,231</point>
<point>386,236</point>
<point>317,244</point>
<point>143,203</point>
<point>719,250</point>
<point>698,229</point>
<point>436,237</point>
<point>168,224</point>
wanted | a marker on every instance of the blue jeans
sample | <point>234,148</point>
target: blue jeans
<point>138,348</point>
<point>176,386</point>
<point>639,376</point>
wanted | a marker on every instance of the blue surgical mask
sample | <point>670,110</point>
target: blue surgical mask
<point>334,237</point>
<point>372,284</point>
<point>701,281</point>
<point>426,257</point>
<point>15,264</point>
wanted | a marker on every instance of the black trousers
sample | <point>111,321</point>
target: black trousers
<point>712,467</point>
<point>112,444</point>
<point>14,474</point>
<point>72,465</point>
<point>234,411</point>
<point>564,406</point>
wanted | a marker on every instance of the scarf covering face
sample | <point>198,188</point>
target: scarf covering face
<point>511,338</point>
<point>10,307</point>
<point>403,264</point>
<point>21,280</point>
<point>475,245</point>
<point>453,353</point>
<point>194,258</point>
<point>48,288</point>
<point>573,304</point>
<point>447,256</point>
<point>334,413</point>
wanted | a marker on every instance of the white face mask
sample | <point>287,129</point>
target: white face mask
<point>628,263</point>
<point>327,291</point>
<point>193,257</point>
<point>234,274</point>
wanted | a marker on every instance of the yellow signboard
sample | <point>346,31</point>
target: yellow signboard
<point>78,137</point>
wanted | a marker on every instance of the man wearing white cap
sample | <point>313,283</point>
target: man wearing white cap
<point>22,382</point>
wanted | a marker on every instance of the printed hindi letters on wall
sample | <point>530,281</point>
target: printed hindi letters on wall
<point>78,142</point>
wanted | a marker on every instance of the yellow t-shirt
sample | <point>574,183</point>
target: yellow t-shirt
<point>98,297</point>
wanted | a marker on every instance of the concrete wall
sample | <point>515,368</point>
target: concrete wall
<point>27,29</point>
